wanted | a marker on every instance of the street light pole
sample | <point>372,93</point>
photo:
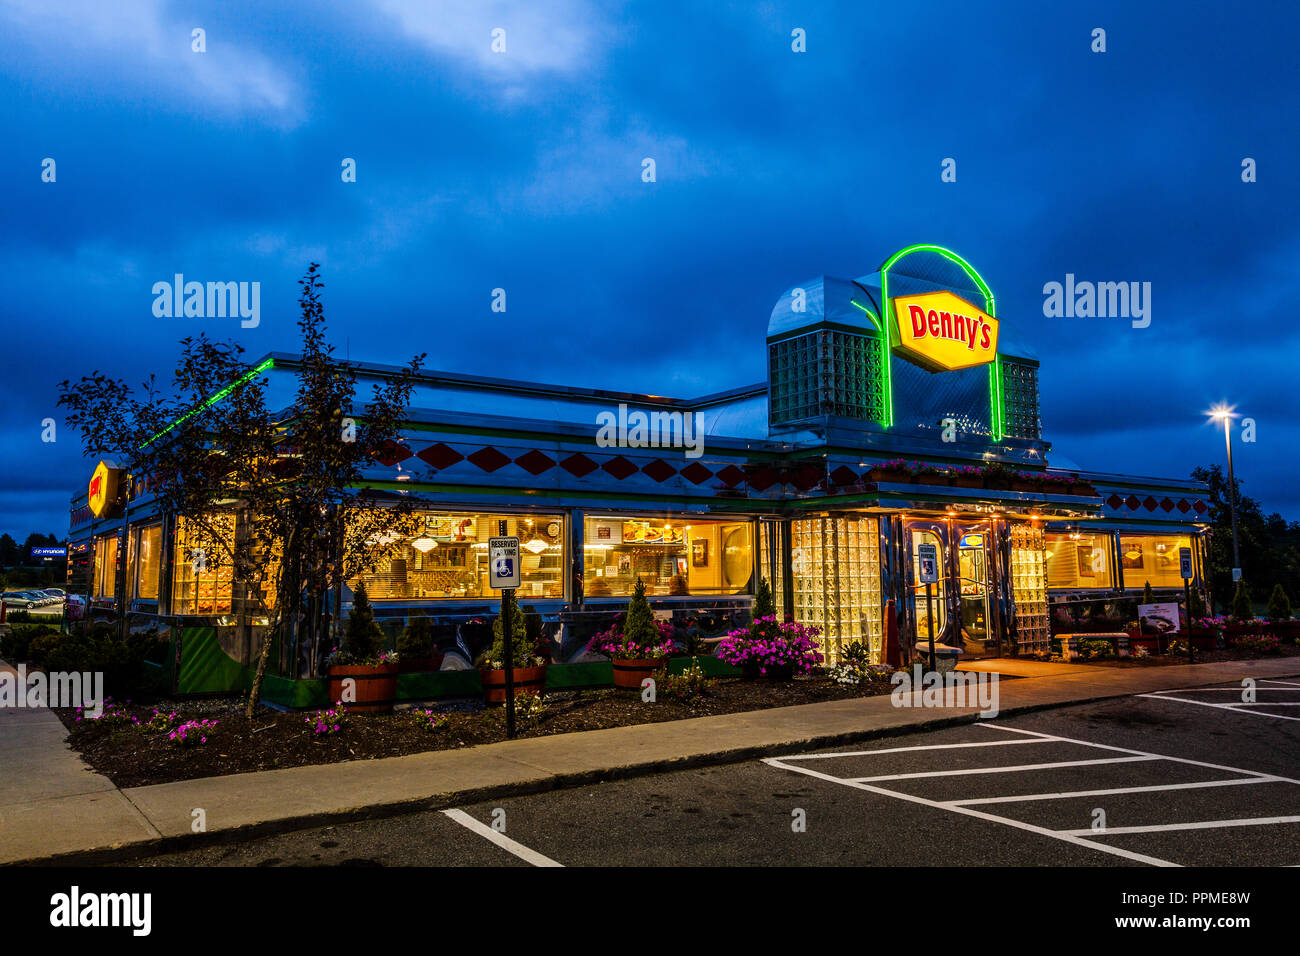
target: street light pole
<point>1232,490</point>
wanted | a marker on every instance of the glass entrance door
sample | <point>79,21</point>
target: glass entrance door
<point>978,634</point>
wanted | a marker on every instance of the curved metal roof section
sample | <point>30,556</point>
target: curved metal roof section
<point>825,299</point>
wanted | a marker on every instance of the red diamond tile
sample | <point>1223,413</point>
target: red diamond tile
<point>844,475</point>
<point>731,476</point>
<point>1150,504</point>
<point>1167,505</point>
<point>1183,506</point>
<point>489,459</point>
<point>659,470</point>
<point>1114,501</point>
<point>696,473</point>
<point>390,453</point>
<point>579,465</point>
<point>762,478</point>
<point>807,477</point>
<point>1200,507</point>
<point>440,456</point>
<point>1132,502</point>
<point>535,462</point>
<point>620,467</point>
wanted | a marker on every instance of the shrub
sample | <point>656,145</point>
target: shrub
<point>1242,610</point>
<point>159,722</point>
<point>362,637</point>
<point>690,685</point>
<point>417,641</point>
<point>15,646</point>
<point>521,649</point>
<point>764,604</point>
<point>1095,649</point>
<point>639,627</point>
<point>121,659</point>
<point>1279,605</point>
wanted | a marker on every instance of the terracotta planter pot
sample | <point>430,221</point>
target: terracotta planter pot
<point>1288,632</point>
<point>779,672</point>
<point>630,673</point>
<point>529,680</point>
<point>376,687</point>
<point>418,665</point>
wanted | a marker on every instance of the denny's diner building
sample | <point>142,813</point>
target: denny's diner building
<point>897,412</point>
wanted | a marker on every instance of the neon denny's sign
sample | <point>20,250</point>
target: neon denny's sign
<point>942,332</point>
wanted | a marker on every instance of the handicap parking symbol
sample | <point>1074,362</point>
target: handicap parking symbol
<point>504,567</point>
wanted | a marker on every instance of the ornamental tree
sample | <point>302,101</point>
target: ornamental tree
<point>281,498</point>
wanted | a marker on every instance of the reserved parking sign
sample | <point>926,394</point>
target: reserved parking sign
<point>503,563</point>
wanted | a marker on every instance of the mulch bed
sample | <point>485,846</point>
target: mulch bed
<point>1202,657</point>
<point>274,740</point>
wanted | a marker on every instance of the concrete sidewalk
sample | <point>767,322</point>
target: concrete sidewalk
<point>81,817</point>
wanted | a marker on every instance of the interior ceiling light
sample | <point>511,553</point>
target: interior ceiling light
<point>424,544</point>
<point>536,546</point>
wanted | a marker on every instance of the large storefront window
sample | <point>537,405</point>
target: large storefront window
<point>1152,559</point>
<point>835,574</point>
<point>202,575</point>
<point>683,557</point>
<point>447,557</point>
<point>1078,560</point>
<point>105,577</point>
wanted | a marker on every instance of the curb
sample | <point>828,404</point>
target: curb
<point>142,849</point>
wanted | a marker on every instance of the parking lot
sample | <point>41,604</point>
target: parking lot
<point>1182,778</point>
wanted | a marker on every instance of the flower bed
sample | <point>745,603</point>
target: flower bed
<point>771,648</point>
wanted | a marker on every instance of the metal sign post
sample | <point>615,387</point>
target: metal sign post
<point>927,557</point>
<point>504,574</point>
<point>1185,567</point>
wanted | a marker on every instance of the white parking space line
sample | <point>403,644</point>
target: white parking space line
<point>500,839</point>
<point>1288,683</point>
<point>1020,798</point>
<point>1198,825</point>
<point>983,770</point>
<point>899,750</point>
<point>1083,837</point>
<point>979,815</point>
<point>1236,708</point>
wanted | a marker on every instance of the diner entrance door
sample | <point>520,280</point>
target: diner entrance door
<point>965,607</point>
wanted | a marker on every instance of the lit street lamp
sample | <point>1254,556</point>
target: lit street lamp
<point>1225,414</point>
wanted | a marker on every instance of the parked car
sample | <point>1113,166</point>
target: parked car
<point>41,598</point>
<point>56,592</point>
<point>20,600</point>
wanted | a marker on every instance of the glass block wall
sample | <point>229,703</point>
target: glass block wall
<point>825,373</point>
<point>835,568</point>
<point>1020,396</point>
<point>1029,588</point>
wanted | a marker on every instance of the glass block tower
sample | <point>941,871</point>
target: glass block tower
<point>823,355</point>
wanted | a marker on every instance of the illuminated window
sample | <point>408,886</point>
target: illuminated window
<point>1152,559</point>
<point>145,556</point>
<point>105,575</point>
<point>202,573</point>
<point>1078,560</point>
<point>673,556</point>
<point>447,558</point>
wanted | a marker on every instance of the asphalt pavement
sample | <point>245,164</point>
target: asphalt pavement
<point>1173,778</point>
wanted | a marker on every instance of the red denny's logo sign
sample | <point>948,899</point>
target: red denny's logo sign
<point>942,332</point>
<point>102,492</point>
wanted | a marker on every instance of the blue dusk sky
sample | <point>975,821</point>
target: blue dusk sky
<point>522,170</point>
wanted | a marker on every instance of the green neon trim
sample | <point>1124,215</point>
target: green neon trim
<point>212,400</point>
<point>875,319</point>
<point>997,398</point>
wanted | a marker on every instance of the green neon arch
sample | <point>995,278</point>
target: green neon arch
<point>997,405</point>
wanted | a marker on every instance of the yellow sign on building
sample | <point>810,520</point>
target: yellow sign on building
<point>102,492</point>
<point>941,332</point>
